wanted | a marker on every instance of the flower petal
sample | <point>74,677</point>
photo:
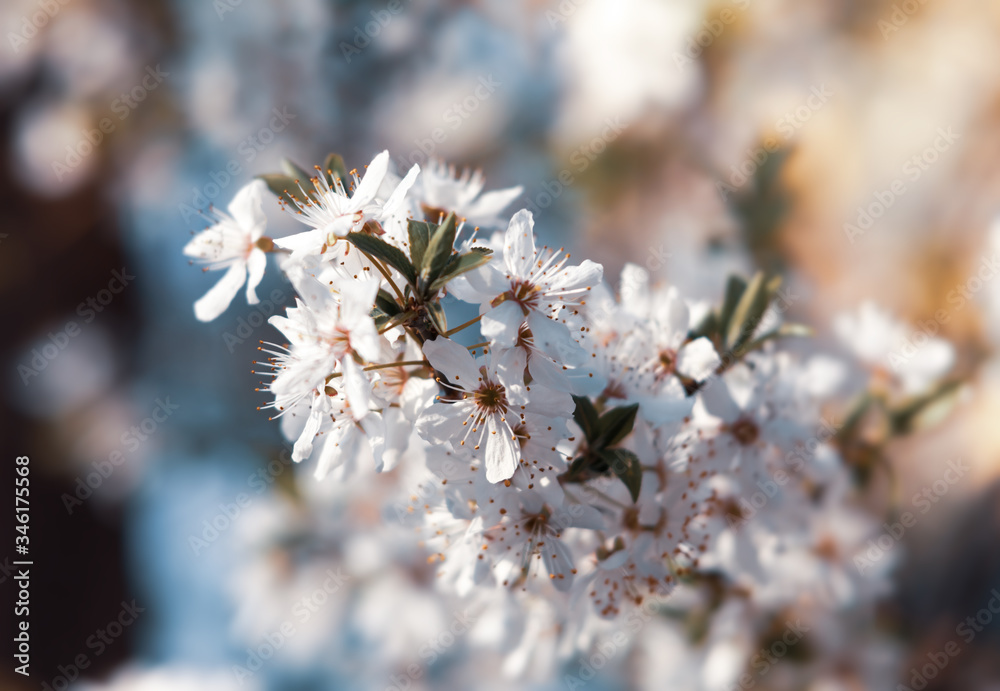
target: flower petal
<point>501,324</point>
<point>519,244</point>
<point>255,272</point>
<point>372,180</point>
<point>698,359</point>
<point>217,299</point>
<point>454,361</point>
<point>247,209</point>
<point>502,451</point>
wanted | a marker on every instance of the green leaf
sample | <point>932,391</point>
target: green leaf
<point>333,167</point>
<point>748,312</point>
<point>436,312</point>
<point>735,287</point>
<point>382,250</point>
<point>925,410</point>
<point>383,321</point>
<point>296,171</point>
<point>439,250</point>
<point>387,303</point>
<point>783,331</point>
<point>459,265</point>
<point>626,466</point>
<point>420,236</point>
<point>284,187</point>
<point>585,415</point>
<point>616,424</point>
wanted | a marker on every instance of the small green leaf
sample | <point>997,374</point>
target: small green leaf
<point>783,331</point>
<point>439,250</point>
<point>748,312</point>
<point>295,171</point>
<point>386,303</point>
<point>382,250</point>
<point>420,236</point>
<point>436,312</point>
<point>459,265</point>
<point>925,410</point>
<point>626,466</point>
<point>735,287</point>
<point>333,167</point>
<point>616,424</point>
<point>585,415</point>
<point>284,187</point>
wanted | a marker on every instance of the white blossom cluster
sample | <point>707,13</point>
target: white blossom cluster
<point>597,455</point>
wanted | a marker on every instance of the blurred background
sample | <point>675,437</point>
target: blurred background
<point>851,145</point>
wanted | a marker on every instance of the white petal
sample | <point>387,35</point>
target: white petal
<point>489,205</point>
<point>454,361</point>
<point>304,444</point>
<point>554,339</point>
<point>501,324</point>
<point>548,374</point>
<point>698,359</point>
<point>255,272</point>
<point>519,244</point>
<point>357,388</point>
<point>217,299</point>
<point>716,399</point>
<point>399,194</point>
<point>558,562</point>
<point>302,243</point>
<point>247,209</point>
<point>587,274</point>
<point>502,451</point>
<point>372,180</point>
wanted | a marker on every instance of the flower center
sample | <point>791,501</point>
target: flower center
<point>666,364</point>
<point>491,398</point>
<point>524,293</point>
<point>745,430</point>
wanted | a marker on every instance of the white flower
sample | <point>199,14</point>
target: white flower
<point>232,243</point>
<point>534,282</point>
<point>912,357</point>
<point>486,409</point>
<point>440,189</point>
<point>324,331</point>
<point>333,213</point>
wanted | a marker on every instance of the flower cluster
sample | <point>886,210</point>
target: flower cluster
<point>570,440</point>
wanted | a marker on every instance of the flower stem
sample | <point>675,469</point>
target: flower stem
<point>385,272</point>
<point>458,328</point>
<point>384,365</point>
